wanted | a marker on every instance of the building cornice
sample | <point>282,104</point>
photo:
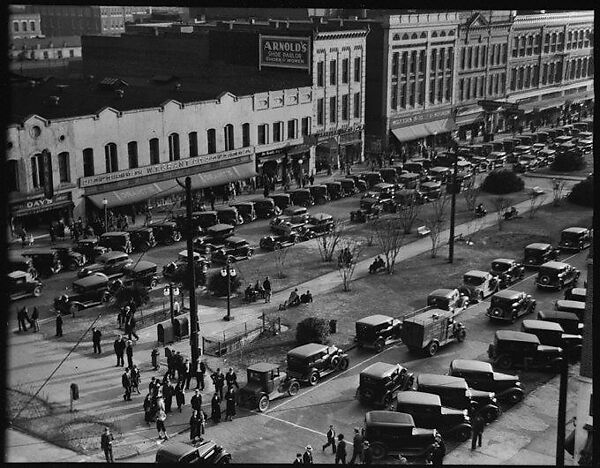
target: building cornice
<point>561,18</point>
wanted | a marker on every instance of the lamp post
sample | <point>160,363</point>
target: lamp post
<point>105,204</point>
<point>171,291</point>
<point>228,272</point>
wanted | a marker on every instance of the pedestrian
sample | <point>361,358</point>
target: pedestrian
<point>52,233</point>
<point>178,363</point>
<point>311,179</point>
<point>170,362</point>
<point>129,353</point>
<point>35,315</point>
<point>219,382</point>
<point>23,236</point>
<point>307,458</point>
<point>367,453</point>
<point>23,318</point>
<point>96,338</point>
<point>357,446</point>
<point>59,324</point>
<point>226,194</point>
<point>215,408</point>
<point>200,375</point>
<point>231,378</point>
<point>478,426</point>
<point>130,325</point>
<point>340,453</point>
<point>136,379</point>
<point>196,401</point>
<point>119,346</point>
<point>168,393</point>
<point>106,441</point>
<point>126,383</point>
<point>153,387</point>
<point>267,288</point>
<point>161,417</point>
<point>154,357</point>
<point>179,396</point>
<point>437,457</point>
<point>121,317</point>
<point>330,438</point>
<point>176,308</point>
<point>187,374</point>
<point>212,198</point>
<point>230,404</point>
<point>298,460</point>
<point>195,426</point>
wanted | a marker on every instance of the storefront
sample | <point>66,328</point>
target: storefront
<point>37,211</point>
<point>337,148</point>
<point>411,133</point>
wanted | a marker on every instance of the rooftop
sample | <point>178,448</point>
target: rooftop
<point>45,42</point>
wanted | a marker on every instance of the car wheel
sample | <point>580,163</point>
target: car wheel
<point>176,237</point>
<point>335,361</point>
<point>378,451</point>
<point>515,397</point>
<point>294,388</point>
<point>379,345</point>
<point>464,434</point>
<point>432,348</point>
<point>37,291</point>
<point>514,317</point>
<point>73,266</point>
<point>489,415</point>
<point>250,253</point>
<point>313,378</point>
<point>504,362</point>
<point>263,403</point>
<point>153,283</point>
<point>544,279</point>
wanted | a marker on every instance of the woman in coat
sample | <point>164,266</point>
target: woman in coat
<point>230,404</point>
<point>179,396</point>
<point>194,426</point>
<point>216,408</point>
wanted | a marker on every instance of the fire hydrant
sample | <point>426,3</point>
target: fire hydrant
<point>155,358</point>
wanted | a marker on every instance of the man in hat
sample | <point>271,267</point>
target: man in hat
<point>106,441</point>
<point>358,446</point>
<point>129,352</point>
<point>330,438</point>
<point>367,453</point>
<point>96,340</point>
<point>119,346</point>
<point>308,456</point>
<point>340,453</point>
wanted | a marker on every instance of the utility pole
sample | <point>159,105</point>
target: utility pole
<point>562,414</point>
<point>453,208</point>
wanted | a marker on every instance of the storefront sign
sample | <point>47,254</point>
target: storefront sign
<point>419,118</point>
<point>284,52</point>
<point>39,204</point>
<point>165,167</point>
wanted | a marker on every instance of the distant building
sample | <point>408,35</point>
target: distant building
<point>44,49</point>
<point>219,13</point>
<point>24,25</point>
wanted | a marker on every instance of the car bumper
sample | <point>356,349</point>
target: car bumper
<point>547,286</point>
<point>498,317</point>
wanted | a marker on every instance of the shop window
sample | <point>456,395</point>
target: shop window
<point>395,64</point>
<point>305,126</point>
<point>193,143</point>
<point>332,72</point>
<point>12,168</point>
<point>357,70</point>
<point>333,109</point>
<point>277,131</point>
<point>174,147</point>
<point>263,134</point>
<point>357,105</point>
<point>211,140</point>
<point>132,153</point>
<point>88,162</point>
<point>292,127</point>
<point>246,135</point>
<point>320,74</point>
<point>345,70</point>
<point>320,111</point>
<point>229,137</point>
<point>64,169</point>
<point>154,151</point>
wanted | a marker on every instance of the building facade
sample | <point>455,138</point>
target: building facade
<point>45,49</point>
<point>24,25</point>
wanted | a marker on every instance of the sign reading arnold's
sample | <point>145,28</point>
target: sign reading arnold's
<point>284,51</point>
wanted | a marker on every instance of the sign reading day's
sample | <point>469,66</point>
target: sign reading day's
<point>284,52</point>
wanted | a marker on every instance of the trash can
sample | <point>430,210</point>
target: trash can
<point>333,326</point>
<point>165,332</point>
<point>181,326</point>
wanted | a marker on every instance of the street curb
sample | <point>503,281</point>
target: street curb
<point>552,176</point>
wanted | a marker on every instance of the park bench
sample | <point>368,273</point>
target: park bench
<point>423,231</point>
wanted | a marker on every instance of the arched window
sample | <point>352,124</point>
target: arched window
<point>423,35</point>
<point>174,147</point>
<point>404,36</point>
<point>569,39</point>
<point>434,34</point>
<point>32,25</point>
<point>193,141</point>
<point>12,167</point>
<point>64,167</point>
<point>154,151</point>
<point>211,140</point>
<point>443,34</point>
<point>414,36</point>
<point>16,26</point>
<point>88,162</point>
<point>111,158</point>
<point>229,137</point>
<point>245,135</point>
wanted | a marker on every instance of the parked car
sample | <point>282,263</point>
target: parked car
<point>229,215</point>
<point>369,209</point>
<point>320,223</point>
<point>509,305</point>
<point>560,140</point>
<point>428,412</point>
<point>265,208</point>
<point>569,321</point>
<point>282,200</point>
<point>526,139</point>
<point>537,253</point>
<point>165,232</point>
<point>213,239</point>
<point>371,178</point>
<point>207,453</point>
<point>69,258</point>
<point>480,164</point>
<point>388,174</point>
<point>334,190</point>
<point>90,248</point>
<point>431,190</point>
<point>497,159</point>
<point>440,174</point>
<point>557,275</point>
<point>143,273</point>
<point>276,242</point>
<point>477,285</point>
<point>360,184</point>
<point>319,193</point>
<point>541,137</point>
<point>448,299</point>
<point>576,294</point>
<point>297,214</point>
<point>380,383</point>
<point>575,307</point>
<point>246,210</point>
<point>430,329</point>
<point>177,271</point>
<point>481,376</point>
<point>408,196</point>
<point>22,284</point>
<point>202,221</point>
<point>537,147</point>
<point>507,270</point>
<point>415,166</point>
<point>375,330</point>
<point>409,180</point>
<point>455,393</point>
<point>234,249</point>
<point>301,197</point>
<point>117,240</point>
<point>45,261</point>
<point>553,334</point>
<point>391,432</point>
<point>575,239</point>
<point>348,187</point>
<point>526,162</point>
<point>265,382</point>
<point>86,292</point>
<point>384,190</point>
<point>17,262</point>
<point>514,349</point>
<point>311,362</point>
<point>110,263</point>
<point>547,156</point>
<point>142,238</point>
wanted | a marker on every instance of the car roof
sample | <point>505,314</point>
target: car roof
<point>558,314</point>
<point>541,325</point>
<point>508,294</point>
<point>379,370</point>
<point>141,265</point>
<point>431,184</point>
<point>38,252</point>
<point>154,224</point>
<point>410,175</point>
<point>391,418</point>
<point>225,208</point>
<point>307,350</point>
<point>114,234</point>
<point>263,367</point>
<point>113,254</point>
<point>427,315</point>
<point>300,190</point>
<point>17,274</point>
<point>91,279</point>
<point>512,335</point>
<point>262,200</point>
<point>576,230</point>
<point>538,246</point>
<point>498,153</point>
<point>442,380</point>
<point>376,319</point>
<point>321,216</point>
<point>242,203</point>
<point>286,195</point>
<point>579,291</point>
<point>235,239</point>
<point>383,185</point>
<point>203,213</point>
<point>553,265</point>
<point>477,273</point>
<point>174,450</point>
<point>472,364</point>
<point>570,304</point>
<point>220,227</point>
<point>317,185</point>
<point>439,169</point>
<point>418,398</point>
<point>442,292</point>
<point>333,182</point>
<point>503,260</point>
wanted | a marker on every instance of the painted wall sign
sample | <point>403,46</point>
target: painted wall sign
<point>39,203</point>
<point>419,118</point>
<point>284,52</point>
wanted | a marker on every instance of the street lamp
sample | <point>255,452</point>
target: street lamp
<point>105,204</point>
<point>171,290</point>
<point>228,272</point>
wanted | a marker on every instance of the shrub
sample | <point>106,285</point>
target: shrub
<point>136,293</point>
<point>501,182</point>
<point>217,284</point>
<point>583,192</point>
<point>568,162</point>
<point>312,330</point>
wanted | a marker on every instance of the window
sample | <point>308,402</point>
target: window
<point>174,147</point>
<point>433,60</point>
<point>403,96</point>
<point>357,70</point>
<point>320,111</point>
<point>345,70</point>
<point>569,39</point>
<point>470,57</point>
<point>580,43</point>
<point>476,64</point>
<point>553,42</point>
<point>545,73</point>
<point>468,89</point>
<point>246,135</point>
<point>12,168</point>
<point>71,52</point>
<point>292,126</point>
<point>59,54</point>
<point>440,89</point>
<point>154,151</point>
<point>345,106</point>
<point>229,137</point>
<point>490,85</point>
<point>24,25</point>
<point>333,109</point>
<point>37,171</point>
<point>515,46</point>
<point>413,61</point>
<point>528,77</point>
<point>422,62</point>
<point>193,143</point>
<point>462,58</point>
<point>529,45</point>
<point>583,67</point>
<point>572,73</point>
<point>586,42</point>
<point>536,75</point>
<point>88,162</point>
<point>277,131</point>
<point>432,90</point>
<point>46,54</point>
<point>503,82</point>
<point>448,88</point>
<point>32,25</point>
<point>132,154</point>
<point>111,158</point>
<point>332,72</point>
<point>263,134</point>
<point>461,89</point>
<point>561,41</point>
<point>16,26</point>
<point>305,126</point>
<point>493,55</point>
<point>320,81</point>
<point>64,169</point>
<point>504,53</point>
<point>211,140</point>
<point>394,103</point>
<point>449,58</point>
<point>578,72</point>
<point>404,65</point>
<point>520,79</point>
<point>357,105</point>
<point>551,74</point>
<point>395,64</point>
<point>546,43</point>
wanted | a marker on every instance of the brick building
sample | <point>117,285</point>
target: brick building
<point>23,25</point>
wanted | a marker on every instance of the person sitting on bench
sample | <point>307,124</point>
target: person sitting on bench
<point>250,294</point>
<point>306,297</point>
<point>292,301</point>
<point>258,289</point>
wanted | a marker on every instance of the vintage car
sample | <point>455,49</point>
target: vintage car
<point>509,305</point>
<point>576,294</point>
<point>560,140</point>
<point>213,239</point>
<point>117,240</point>
<point>16,262</point>
<point>265,208</point>
<point>557,275</point>
<point>515,349</point>
<point>334,189</point>
<point>455,393</point>
<point>202,221</point>
<point>311,362</point>
<point>380,383</point>
<point>431,190</point>
<point>229,215</point>
<point>480,164</point>
<point>553,334</point>
<point>110,263</point>
<point>303,234</point>
<point>142,238</point>
<point>477,285</point>
<point>276,242</point>
<point>541,137</point>
<point>537,147</point>
<point>369,209</point>
<point>428,412</point>
<point>234,249</point>
<point>526,162</point>
<point>448,299</point>
<point>569,305</point>
<point>301,197</point>
<point>526,139</point>
<point>440,174</point>
<point>319,193</point>
<point>376,330</point>
<point>575,238</point>
<point>246,210</point>
<point>45,261</point>
<point>166,232</point>
<point>266,383</point>
<point>141,272</point>
<point>391,433</point>
<point>481,376</point>
<point>389,175</point>
<point>206,453</point>
<point>177,271</point>
<point>348,187</point>
<point>384,190</point>
<point>415,166</point>
<point>69,258</point>
<point>507,270</point>
<point>90,248</point>
<point>292,219</point>
<point>22,284</point>
<point>430,329</point>
<point>546,156</point>
<point>85,293</point>
<point>282,200</point>
<point>537,253</point>
<point>371,178</point>
<point>297,214</point>
<point>405,197</point>
<point>569,321</point>
<point>320,223</point>
<point>409,180</point>
<point>496,159</point>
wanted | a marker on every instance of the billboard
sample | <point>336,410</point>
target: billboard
<point>284,52</point>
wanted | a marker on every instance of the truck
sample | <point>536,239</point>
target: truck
<point>430,329</point>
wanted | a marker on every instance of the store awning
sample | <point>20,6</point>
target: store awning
<point>468,118</point>
<point>422,130</point>
<point>42,208</point>
<point>168,187</point>
<point>299,149</point>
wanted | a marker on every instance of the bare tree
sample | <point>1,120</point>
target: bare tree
<point>388,235</point>
<point>351,249</point>
<point>501,204</point>
<point>558,187</point>
<point>435,222</point>
<point>280,260</point>
<point>535,203</point>
<point>328,242</point>
<point>470,193</point>
<point>408,213</point>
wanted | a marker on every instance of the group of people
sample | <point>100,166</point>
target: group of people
<point>303,180</point>
<point>295,299</point>
<point>23,318</point>
<point>258,291</point>
<point>377,264</point>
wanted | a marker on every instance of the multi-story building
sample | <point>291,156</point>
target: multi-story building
<point>44,49</point>
<point>24,25</point>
